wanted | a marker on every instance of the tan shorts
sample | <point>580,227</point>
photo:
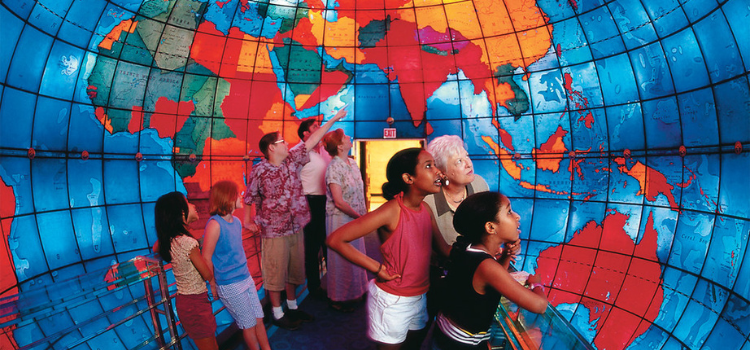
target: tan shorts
<point>283,261</point>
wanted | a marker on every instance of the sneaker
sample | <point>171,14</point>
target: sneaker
<point>299,315</point>
<point>287,322</point>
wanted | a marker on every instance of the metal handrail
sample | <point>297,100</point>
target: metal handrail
<point>26,307</point>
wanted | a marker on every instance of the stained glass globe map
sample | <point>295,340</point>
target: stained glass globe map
<point>619,129</point>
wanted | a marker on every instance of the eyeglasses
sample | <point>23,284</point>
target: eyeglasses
<point>279,141</point>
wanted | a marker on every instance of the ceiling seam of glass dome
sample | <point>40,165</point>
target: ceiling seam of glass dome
<point>723,148</point>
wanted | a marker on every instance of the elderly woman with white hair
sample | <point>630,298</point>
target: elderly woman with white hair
<point>460,182</point>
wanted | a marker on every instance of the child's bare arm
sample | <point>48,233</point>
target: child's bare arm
<point>213,230</point>
<point>386,216</point>
<point>496,276</point>
<point>200,264</point>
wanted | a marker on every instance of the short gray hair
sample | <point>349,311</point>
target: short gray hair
<point>443,147</point>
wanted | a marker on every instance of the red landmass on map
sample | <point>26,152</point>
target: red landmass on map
<point>302,34</point>
<point>219,168</point>
<point>603,269</point>
<point>169,116</point>
<point>579,101</point>
<point>7,268</point>
<point>244,63</point>
<point>335,81</point>
<point>419,72</point>
<point>208,46</point>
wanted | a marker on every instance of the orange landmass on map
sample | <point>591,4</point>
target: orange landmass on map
<point>652,183</point>
<point>340,37</point>
<point>513,169</point>
<point>103,118</point>
<point>114,34</point>
<point>551,152</point>
<point>603,269</point>
<point>538,187</point>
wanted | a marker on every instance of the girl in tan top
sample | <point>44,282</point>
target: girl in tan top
<point>172,214</point>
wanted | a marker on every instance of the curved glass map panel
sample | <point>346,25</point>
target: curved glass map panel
<point>619,129</point>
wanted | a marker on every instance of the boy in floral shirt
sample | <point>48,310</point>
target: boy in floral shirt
<point>275,192</point>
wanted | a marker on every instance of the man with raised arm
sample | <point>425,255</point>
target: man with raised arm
<point>274,192</point>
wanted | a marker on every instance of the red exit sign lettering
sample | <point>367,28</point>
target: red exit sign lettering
<point>389,133</point>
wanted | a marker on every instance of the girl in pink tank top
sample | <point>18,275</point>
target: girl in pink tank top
<point>408,231</point>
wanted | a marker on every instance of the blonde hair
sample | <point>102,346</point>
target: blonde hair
<point>222,198</point>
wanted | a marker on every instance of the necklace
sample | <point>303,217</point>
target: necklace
<point>463,196</point>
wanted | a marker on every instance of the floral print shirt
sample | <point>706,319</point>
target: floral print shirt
<point>345,173</point>
<point>280,205</point>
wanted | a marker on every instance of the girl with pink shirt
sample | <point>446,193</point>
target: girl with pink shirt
<point>396,303</point>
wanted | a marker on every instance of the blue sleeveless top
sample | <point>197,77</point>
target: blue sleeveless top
<point>230,262</point>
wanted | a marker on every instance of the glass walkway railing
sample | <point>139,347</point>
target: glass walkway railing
<point>130,303</point>
<point>524,330</point>
<point>112,299</point>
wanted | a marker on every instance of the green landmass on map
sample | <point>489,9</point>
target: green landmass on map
<point>520,102</point>
<point>370,34</point>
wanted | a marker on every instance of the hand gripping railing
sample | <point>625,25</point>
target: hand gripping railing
<point>26,310</point>
<point>525,330</point>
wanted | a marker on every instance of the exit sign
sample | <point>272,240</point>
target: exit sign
<point>389,133</point>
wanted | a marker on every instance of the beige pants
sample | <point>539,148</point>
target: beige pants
<point>283,261</point>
